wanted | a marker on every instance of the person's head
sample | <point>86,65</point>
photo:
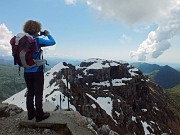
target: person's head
<point>32,27</point>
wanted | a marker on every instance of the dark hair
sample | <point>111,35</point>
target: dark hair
<point>32,27</point>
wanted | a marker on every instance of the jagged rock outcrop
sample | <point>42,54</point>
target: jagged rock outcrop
<point>9,110</point>
<point>116,94</point>
<point>14,121</point>
<point>117,97</point>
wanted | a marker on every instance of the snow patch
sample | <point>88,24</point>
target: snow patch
<point>134,119</point>
<point>93,105</point>
<point>145,125</point>
<point>144,110</point>
<point>132,71</point>
<point>104,102</point>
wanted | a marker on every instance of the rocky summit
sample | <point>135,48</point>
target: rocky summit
<point>116,96</point>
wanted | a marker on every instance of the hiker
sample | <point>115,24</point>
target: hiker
<point>34,76</point>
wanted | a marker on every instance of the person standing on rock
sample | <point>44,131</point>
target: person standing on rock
<point>34,77</point>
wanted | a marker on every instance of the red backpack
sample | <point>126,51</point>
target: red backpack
<point>23,48</point>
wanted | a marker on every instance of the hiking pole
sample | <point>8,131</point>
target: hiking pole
<point>60,103</point>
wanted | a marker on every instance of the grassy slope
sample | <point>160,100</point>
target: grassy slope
<point>10,81</point>
<point>175,93</point>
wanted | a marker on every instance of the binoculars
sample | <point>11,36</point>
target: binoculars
<point>42,33</point>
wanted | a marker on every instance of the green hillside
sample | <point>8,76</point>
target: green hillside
<point>165,76</point>
<point>10,81</point>
<point>175,93</point>
<point>146,68</point>
<point>168,77</point>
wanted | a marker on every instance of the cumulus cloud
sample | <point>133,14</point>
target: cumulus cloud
<point>5,36</point>
<point>134,12</point>
<point>159,40</point>
<point>5,47</point>
<point>164,13</point>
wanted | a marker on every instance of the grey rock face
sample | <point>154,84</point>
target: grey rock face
<point>116,95</point>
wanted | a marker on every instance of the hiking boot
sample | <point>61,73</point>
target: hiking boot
<point>43,117</point>
<point>31,115</point>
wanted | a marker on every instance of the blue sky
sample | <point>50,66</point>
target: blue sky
<point>128,30</point>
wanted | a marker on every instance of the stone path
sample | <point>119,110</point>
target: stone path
<point>68,122</point>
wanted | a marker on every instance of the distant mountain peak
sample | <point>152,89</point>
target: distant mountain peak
<point>165,76</point>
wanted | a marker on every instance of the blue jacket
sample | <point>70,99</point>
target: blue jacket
<point>40,42</point>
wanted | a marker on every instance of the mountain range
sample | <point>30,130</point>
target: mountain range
<point>165,76</point>
<point>114,94</point>
<point>8,60</point>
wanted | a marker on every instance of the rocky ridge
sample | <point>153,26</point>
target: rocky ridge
<point>13,121</point>
<point>115,95</point>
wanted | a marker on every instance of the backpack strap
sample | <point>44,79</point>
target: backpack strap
<point>42,61</point>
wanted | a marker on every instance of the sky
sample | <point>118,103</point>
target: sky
<point>129,30</point>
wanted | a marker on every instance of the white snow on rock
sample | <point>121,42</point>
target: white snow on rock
<point>104,83</point>
<point>134,119</point>
<point>98,63</point>
<point>19,99</point>
<point>52,92</point>
<point>104,102</point>
<point>145,125</point>
<point>132,71</point>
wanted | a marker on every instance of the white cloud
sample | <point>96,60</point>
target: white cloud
<point>5,36</point>
<point>69,2</point>
<point>165,13</point>
<point>5,47</point>
<point>158,41</point>
<point>133,11</point>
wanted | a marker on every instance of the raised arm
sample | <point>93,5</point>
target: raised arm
<point>47,42</point>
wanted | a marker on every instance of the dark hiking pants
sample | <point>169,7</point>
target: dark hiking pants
<point>35,84</point>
